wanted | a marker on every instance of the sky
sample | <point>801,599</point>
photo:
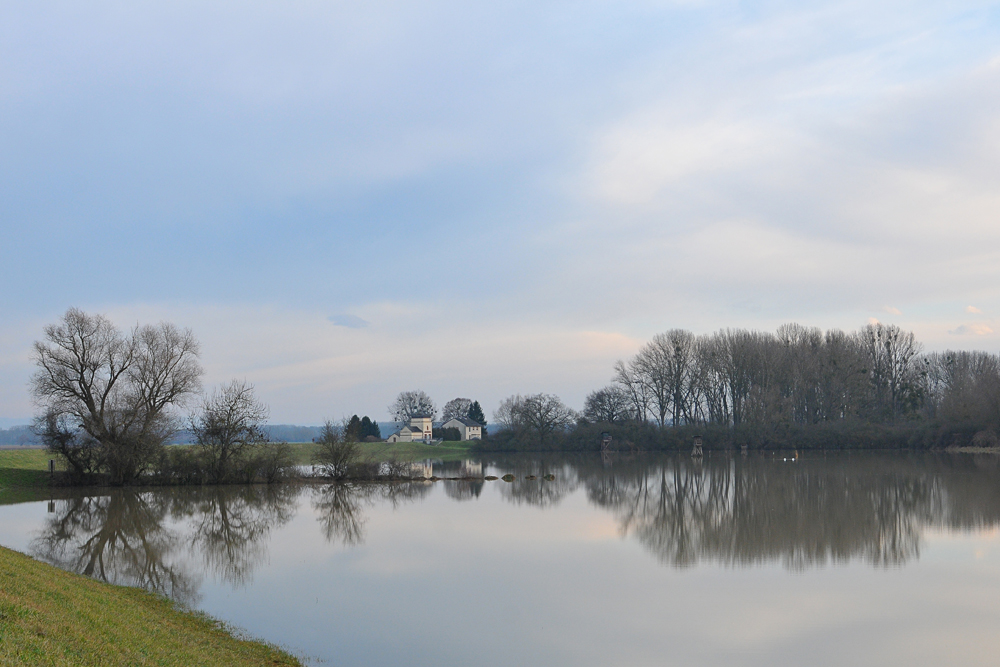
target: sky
<point>348,200</point>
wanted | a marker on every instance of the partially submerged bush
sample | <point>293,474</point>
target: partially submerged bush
<point>335,453</point>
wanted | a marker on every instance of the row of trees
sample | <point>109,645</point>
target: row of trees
<point>359,430</point>
<point>409,404</point>
<point>759,387</point>
<point>110,399</point>
<point>797,375</point>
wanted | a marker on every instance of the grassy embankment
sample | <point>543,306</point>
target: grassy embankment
<point>52,617</point>
<point>23,475</point>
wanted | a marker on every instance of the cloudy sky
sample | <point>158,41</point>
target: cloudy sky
<point>346,200</point>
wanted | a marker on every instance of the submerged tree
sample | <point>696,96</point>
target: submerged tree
<point>334,452</point>
<point>230,429</point>
<point>107,397</point>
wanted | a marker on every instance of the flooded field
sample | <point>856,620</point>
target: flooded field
<point>867,559</point>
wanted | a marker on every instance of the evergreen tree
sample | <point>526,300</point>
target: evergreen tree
<point>476,413</point>
<point>353,431</point>
<point>369,429</point>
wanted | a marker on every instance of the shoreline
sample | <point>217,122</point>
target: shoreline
<point>52,616</point>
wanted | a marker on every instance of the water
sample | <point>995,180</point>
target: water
<point>862,559</point>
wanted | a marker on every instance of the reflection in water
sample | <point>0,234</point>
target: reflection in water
<point>726,509</point>
<point>739,510</point>
<point>231,525</point>
<point>118,538</point>
<point>122,538</point>
<point>743,511</point>
<point>341,506</point>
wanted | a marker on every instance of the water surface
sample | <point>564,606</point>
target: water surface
<point>865,559</point>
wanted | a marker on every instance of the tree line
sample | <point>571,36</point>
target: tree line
<point>111,399</point>
<point>872,387</point>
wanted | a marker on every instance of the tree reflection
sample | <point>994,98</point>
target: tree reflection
<point>342,506</point>
<point>802,513</point>
<point>123,537</point>
<point>118,538</point>
<point>231,525</point>
<point>539,491</point>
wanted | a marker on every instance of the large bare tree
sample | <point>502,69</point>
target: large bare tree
<point>609,405</point>
<point>411,404</point>
<point>890,353</point>
<point>537,416</point>
<point>107,397</point>
<point>456,408</point>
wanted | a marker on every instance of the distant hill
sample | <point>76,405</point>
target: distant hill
<point>18,436</point>
<point>22,436</point>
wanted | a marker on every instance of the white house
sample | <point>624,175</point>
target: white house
<point>468,429</point>
<point>421,429</point>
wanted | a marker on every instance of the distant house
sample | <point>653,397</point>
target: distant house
<point>420,429</point>
<point>468,429</point>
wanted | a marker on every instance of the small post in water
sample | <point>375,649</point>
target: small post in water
<point>697,446</point>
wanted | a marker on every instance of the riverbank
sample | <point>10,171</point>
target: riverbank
<point>52,617</point>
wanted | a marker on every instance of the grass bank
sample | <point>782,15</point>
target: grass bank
<point>52,617</point>
<point>23,475</point>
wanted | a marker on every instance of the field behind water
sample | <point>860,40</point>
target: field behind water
<point>24,472</point>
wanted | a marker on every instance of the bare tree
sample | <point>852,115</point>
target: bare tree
<point>508,413</point>
<point>411,404</point>
<point>610,404</point>
<point>456,408</point>
<point>630,378</point>
<point>107,397</point>
<point>229,428</point>
<point>890,353</point>
<point>537,416</point>
<point>335,453</point>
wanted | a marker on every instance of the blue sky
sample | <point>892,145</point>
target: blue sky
<point>346,200</point>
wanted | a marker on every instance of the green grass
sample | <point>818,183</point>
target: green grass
<point>52,617</point>
<point>23,475</point>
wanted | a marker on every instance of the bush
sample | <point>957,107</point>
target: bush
<point>335,454</point>
<point>180,464</point>
<point>449,434</point>
<point>273,462</point>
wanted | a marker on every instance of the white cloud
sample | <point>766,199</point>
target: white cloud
<point>892,311</point>
<point>973,309</point>
<point>642,155</point>
<point>972,330</point>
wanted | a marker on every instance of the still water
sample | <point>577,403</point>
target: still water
<point>860,559</point>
